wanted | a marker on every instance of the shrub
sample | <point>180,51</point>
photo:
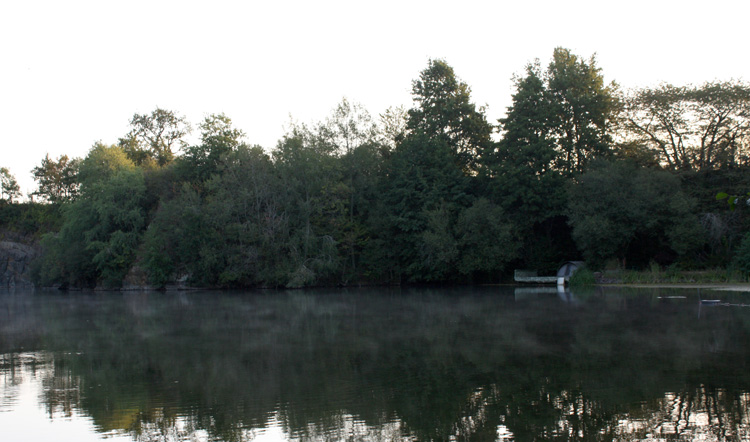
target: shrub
<point>741,260</point>
<point>582,277</point>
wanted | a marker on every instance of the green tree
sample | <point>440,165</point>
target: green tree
<point>428,178</point>
<point>114,238</point>
<point>618,210</point>
<point>310,172</point>
<point>9,189</point>
<point>472,243</point>
<point>560,120</point>
<point>101,163</point>
<point>725,220</point>
<point>154,137</point>
<point>247,237</point>
<point>525,177</point>
<point>57,179</point>
<point>437,244</point>
<point>353,137</point>
<point>101,228</point>
<point>349,126</point>
<point>692,127</point>
<point>584,107</point>
<point>364,165</point>
<point>741,259</point>
<point>173,243</point>
<point>218,138</point>
<point>444,111</point>
<point>423,192</point>
<point>487,239</point>
<point>392,128</point>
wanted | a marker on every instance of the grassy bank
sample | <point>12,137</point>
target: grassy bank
<point>670,276</point>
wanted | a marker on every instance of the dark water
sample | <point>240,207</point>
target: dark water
<point>375,364</point>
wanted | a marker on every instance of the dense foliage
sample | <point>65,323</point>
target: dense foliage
<point>578,171</point>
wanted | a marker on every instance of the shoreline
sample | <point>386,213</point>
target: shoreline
<point>733,287</point>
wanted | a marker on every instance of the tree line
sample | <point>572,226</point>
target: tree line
<point>577,169</point>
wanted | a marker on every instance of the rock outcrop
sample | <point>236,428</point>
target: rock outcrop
<point>15,268</point>
<point>136,279</point>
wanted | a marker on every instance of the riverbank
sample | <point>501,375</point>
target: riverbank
<point>719,277</point>
<point>734,287</point>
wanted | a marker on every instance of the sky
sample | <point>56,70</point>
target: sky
<point>73,73</point>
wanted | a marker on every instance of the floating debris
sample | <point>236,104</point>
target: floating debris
<point>710,301</point>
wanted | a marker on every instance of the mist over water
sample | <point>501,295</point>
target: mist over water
<point>488,363</point>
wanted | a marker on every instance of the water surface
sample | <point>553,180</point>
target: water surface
<point>375,364</point>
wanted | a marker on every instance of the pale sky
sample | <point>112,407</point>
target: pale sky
<point>74,72</point>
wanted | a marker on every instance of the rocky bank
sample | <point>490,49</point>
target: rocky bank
<point>15,264</point>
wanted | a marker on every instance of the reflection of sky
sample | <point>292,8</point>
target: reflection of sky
<point>676,420</point>
<point>349,428</point>
<point>29,383</point>
<point>24,416</point>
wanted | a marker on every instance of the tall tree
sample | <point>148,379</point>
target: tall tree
<point>155,136</point>
<point>353,136</point>
<point>423,192</point>
<point>247,237</point>
<point>526,180</point>
<point>392,128</point>
<point>349,126</point>
<point>218,138</point>
<point>310,173</point>
<point>444,111</point>
<point>57,179</point>
<point>9,189</point>
<point>693,127</point>
<point>584,107</point>
<point>559,121</point>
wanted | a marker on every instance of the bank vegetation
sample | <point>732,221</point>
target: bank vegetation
<point>578,169</point>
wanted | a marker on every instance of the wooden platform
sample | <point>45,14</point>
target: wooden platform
<point>531,277</point>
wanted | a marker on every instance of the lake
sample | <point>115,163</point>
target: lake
<point>477,363</point>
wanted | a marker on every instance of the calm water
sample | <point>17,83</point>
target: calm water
<point>375,364</point>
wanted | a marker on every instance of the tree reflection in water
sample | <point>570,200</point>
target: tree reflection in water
<point>421,364</point>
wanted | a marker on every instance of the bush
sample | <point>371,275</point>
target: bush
<point>582,277</point>
<point>741,260</point>
<point>29,219</point>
